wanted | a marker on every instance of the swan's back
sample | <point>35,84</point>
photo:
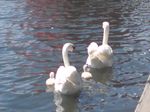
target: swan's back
<point>73,83</point>
<point>104,54</point>
<point>105,49</point>
<point>101,58</point>
<point>68,81</point>
<point>73,74</point>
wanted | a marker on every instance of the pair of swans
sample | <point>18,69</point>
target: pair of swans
<point>67,80</point>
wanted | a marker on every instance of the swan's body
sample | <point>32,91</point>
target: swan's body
<point>51,80</point>
<point>86,72</point>
<point>67,80</point>
<point>100,56</point>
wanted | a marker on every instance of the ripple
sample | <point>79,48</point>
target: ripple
<point>33,33</point>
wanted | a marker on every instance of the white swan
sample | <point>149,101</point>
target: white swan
<point>100,56</point>
<point>51,80</point>
<point>67,80</point>
<point>86,72</point>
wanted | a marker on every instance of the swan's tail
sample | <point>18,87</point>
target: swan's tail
<point>106,32</point>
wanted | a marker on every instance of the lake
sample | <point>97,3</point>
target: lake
<point>32,33</point>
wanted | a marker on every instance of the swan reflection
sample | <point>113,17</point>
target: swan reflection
<point>65,103</point>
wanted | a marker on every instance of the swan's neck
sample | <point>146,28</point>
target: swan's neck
<point>65,57</point>
<point>105,35</point>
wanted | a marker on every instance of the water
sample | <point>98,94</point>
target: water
<point>32,33</point>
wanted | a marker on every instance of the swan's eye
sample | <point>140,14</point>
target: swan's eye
<point>73,47</point>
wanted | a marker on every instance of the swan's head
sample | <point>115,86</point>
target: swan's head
<point>86,68</point>
<point>92,47</point>
<point>52,75</point>
<point>69,47</point>
<point>86,74</point>
<point>105,25</point>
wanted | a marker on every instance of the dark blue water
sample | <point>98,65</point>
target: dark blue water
<point>32,33</point>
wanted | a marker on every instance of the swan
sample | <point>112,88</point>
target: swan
<point>67,80</point>
<point>100,56</point>
<point>51,80</point>
<point>86,72</point>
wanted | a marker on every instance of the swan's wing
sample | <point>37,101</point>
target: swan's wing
<point>72,73</point>
<point>105,49</point>
<point>68,80</point>
<point>94,61</point>
<point>65,73</point>
<point>73,79</point>
<point>92,48</point>
<point>101,57</point>
<point>104,54</point>
<point>60,75</point>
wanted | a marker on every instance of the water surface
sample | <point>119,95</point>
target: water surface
<point>32,34</point>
